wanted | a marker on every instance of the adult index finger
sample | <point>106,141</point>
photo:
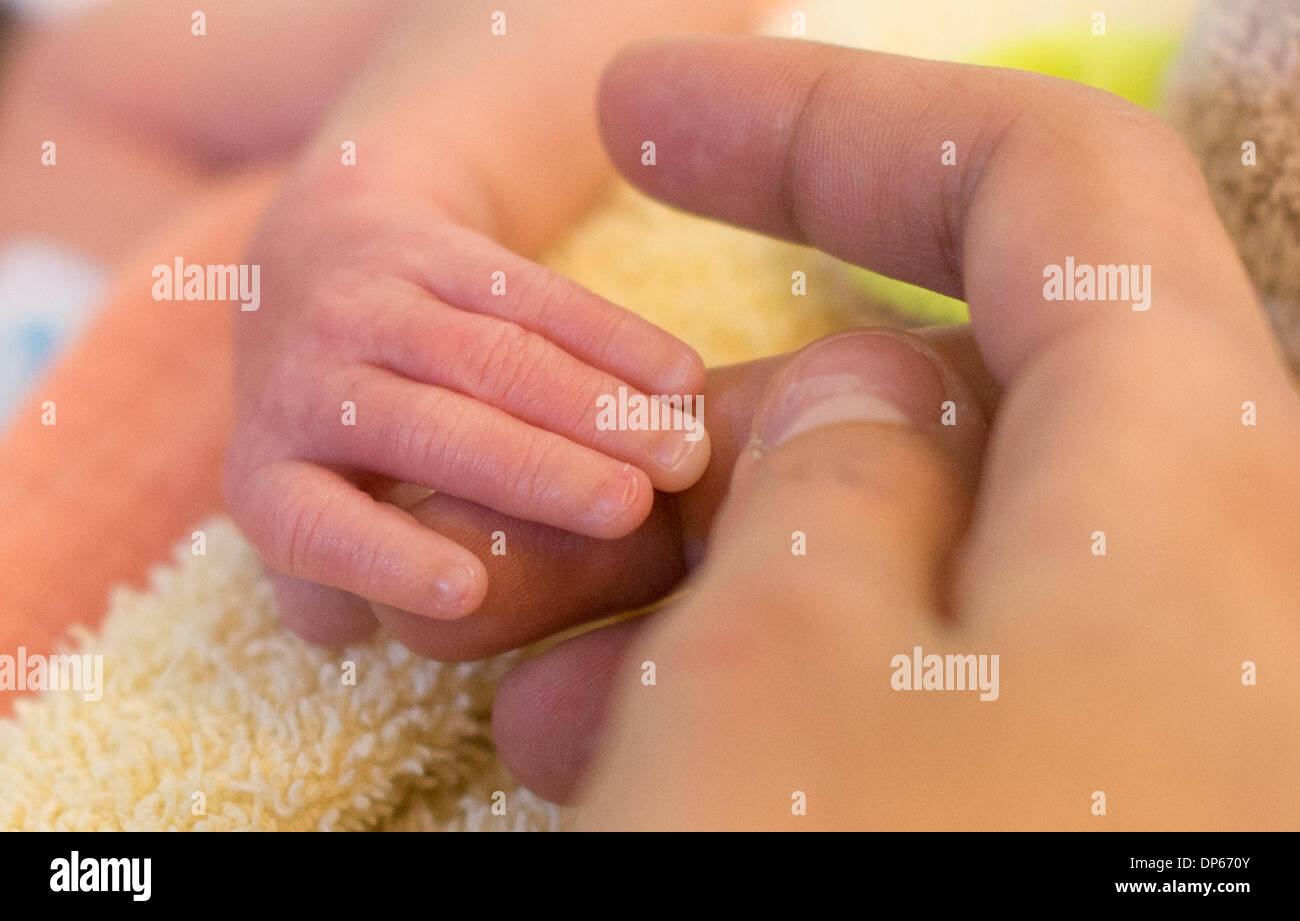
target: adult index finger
<point>988,184</point>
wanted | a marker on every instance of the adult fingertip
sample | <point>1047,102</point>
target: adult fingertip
<point>545,747</point>
<point>869,375</point>
<point>321,615</point>
<point>859,478</point>
<point>550,711</point>
<point>859,376</point>
<point>632,96</point>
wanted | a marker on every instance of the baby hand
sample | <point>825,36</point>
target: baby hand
<point>394,345</point>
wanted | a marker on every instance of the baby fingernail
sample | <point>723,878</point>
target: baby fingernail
<point>455,587</point>
<point>857,377</point>
<point>676,449</point>
<point>616,495</point>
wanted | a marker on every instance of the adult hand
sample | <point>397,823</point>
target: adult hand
<point>1154,681</point>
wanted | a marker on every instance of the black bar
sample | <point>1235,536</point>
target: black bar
<point>331,871</point>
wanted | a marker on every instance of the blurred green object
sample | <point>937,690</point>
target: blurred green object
<point>1127,63</point>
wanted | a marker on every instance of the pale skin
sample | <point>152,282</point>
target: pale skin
<point>379,293</point>
<point>140,109</point>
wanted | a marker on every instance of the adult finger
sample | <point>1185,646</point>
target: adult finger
<point>1047,205</point>
<point>963,179</point>
<point>322,615</point>
<point>835,539</point>
<point>834,515</point>
<point>549,711</point>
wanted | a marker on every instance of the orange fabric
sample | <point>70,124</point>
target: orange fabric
<point>143,410</point>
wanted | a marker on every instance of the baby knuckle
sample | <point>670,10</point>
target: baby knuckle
<point>1090,113</point>
<point>251,456</point>
<point>612,330</point>
<point>529,471</point>
<point>491,349</point>
<point>332,313</point>
<point>423,434</point>
<point>549,293</point>
<point>1163,145</point>
<point>295,535</point>
<point>504,361</point>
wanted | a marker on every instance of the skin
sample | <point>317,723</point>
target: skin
<point>143,121</point>
<point>1120,674</point>
<point>378,293</point>
<point>154,159</point>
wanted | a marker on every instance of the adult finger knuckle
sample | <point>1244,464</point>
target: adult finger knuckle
<point>1135,139</point>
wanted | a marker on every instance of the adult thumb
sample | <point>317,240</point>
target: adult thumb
<point>858,482</point>
<point>828,554</point>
